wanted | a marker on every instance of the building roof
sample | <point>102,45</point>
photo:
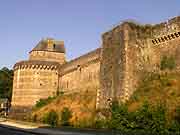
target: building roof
<point>56,46</point>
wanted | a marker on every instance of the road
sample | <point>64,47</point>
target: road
<point>6,131</point>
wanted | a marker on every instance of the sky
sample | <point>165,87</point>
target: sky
<point>79,23</point>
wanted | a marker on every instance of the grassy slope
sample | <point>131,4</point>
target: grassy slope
<point>81,104</point>
<point>158,87</point>
<point>161,87</point>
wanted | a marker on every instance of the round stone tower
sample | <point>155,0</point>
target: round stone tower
<point>37,78</point>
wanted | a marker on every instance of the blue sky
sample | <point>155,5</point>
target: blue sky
<point>80,23</point>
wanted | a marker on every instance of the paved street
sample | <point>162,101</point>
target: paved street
<point>6,131</point>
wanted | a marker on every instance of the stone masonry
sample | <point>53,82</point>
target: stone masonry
<point>112,71</point>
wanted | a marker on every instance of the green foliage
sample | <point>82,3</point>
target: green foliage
<point>66,115</point>
<point>177,114</point>
<point>51,118</point>
<point>6,83</point>
<point>147,119</point>
<point>167,63</point>
<point>119,119</point>
<point>43,102</point>
<point>101,124</point>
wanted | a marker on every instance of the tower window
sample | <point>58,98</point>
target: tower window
<point>54,46</point>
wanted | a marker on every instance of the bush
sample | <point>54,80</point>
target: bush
<point>51,118</point>
<point>119,118</point>
<point>167,63</point>
<point>177,114</point>
<point>101,124</point>
<point>66,115</point>
<point>146,119</point>
<point>43,102</point>
<point>159,118</point>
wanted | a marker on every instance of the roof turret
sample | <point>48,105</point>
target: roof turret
<point>50,44</point>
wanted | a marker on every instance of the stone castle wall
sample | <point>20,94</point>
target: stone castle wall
<point>135,49</point>
<point>48,56</point>
<point>81,74</point>
<point>34,80</point>
<point>113,71</point>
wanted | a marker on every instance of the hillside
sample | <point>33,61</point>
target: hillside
<point>162,87</point>
<point>82,106</point>
<point>155,88</point>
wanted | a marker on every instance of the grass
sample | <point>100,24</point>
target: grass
<point>81,104</point>
<point>157,87</point>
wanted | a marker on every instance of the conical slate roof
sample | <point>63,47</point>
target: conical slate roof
<point>57,46</point>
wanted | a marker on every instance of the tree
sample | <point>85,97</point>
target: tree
<point>6,83</point>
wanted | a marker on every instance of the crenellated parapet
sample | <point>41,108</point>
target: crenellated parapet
<point>166,38</point>
<point>81,62</point>
<point>36,65</point>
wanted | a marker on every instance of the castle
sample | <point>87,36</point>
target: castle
<point>113,71</point>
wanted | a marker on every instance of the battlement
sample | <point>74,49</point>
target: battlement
<point>166,38</point>
<point>36,65</point>
<point>81,61</point>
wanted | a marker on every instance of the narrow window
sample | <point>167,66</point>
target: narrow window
<point>54,46</point>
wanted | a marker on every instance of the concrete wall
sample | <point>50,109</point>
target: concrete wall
<point>48,56</point>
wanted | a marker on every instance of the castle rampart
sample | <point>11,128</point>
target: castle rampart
<point>81,74</point>
<point>113,71</point>
<point>81,61</point>
<point>135,49</point>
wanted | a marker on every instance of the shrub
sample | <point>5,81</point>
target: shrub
<point>177,114</point>
<point>119,118</point>
<point>174,127</point>
<point>159,118</point>
<point>51,118</point>
<point>167,63</point>
<point>101,123</point>
<point>66,115</point>
<point>43,102</point>
<point>145,119</point>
